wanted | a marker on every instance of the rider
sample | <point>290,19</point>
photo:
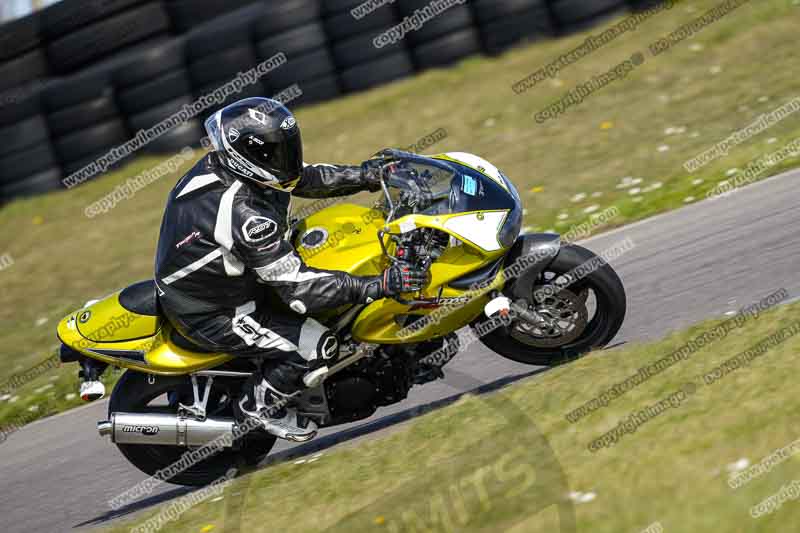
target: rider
<point>224,240</point>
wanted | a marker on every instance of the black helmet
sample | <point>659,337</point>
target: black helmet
<point>258,138</point>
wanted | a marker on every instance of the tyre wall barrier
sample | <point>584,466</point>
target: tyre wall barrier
<point>81,77</point>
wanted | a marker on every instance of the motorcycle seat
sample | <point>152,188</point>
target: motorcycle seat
<point>141,298</point>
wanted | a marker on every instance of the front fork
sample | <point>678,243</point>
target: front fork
<point>528,258</point>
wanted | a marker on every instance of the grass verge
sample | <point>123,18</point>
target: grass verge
<point>510,461</point>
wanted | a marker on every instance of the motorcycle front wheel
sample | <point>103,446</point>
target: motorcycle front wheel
<point>582,309</point>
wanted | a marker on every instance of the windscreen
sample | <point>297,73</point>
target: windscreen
<point>434,180</point>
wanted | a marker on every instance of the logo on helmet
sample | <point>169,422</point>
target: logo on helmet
<point>233,135</point>
<point>288,123</point>
<point>258,116</point>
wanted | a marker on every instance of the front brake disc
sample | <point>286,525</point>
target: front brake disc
<point>564,318</point>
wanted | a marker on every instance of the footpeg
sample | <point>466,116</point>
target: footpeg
<point>92,391</point>
<point>301,438</point>
<point>314,378</point>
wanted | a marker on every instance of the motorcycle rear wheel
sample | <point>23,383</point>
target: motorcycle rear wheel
<point>609,312</point>
<point>133,393</point>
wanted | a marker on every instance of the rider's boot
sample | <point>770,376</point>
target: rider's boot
<point>263,402</point>
<point>267,395</point>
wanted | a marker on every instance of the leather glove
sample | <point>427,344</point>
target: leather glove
<point>372,171</point>
<point>402,278</point>
<point>395,280</point>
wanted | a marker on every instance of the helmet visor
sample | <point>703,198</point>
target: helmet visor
<point>284,160</point>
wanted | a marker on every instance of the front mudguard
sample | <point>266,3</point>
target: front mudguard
<point>528,258</point>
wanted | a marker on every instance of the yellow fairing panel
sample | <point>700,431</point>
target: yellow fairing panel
<point>352,246</point>
<point>381,322</point>
<point>352,240</point>
<point>108,320</point>
<point>108,332</point>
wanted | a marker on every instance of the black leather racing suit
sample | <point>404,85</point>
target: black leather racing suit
<point>223,242</point>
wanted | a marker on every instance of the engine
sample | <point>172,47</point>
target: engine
<point>385,378</point>
<point>421,247</point>
<point>357,392</point>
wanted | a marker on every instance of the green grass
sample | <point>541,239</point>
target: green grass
<point>488,462</point>
<point>563,168</point>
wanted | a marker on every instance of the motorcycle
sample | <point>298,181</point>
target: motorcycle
<point>456,216</point>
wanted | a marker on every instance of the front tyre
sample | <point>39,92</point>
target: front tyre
<point>583,309</point>
<point>134,393</point>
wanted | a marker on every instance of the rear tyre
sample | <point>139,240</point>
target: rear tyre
<point>600,288</point>
<point>133,394</point>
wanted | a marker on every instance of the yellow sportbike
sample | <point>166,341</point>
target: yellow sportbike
<point>456,216</point>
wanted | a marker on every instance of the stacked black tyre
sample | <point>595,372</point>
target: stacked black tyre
<point>83,32</point>
<point>84,119</point>
<point>22,61</point>
<point>186,14</point>
<point>361,62</point>
<point>216,53</point>
<point>505,23</point>
<point>152,87</point>
<point>576,15</point>
<point>28,163</point>
<point>641,5</point>
<point>445,38</point>
<point>293,28</point>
